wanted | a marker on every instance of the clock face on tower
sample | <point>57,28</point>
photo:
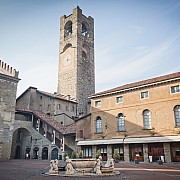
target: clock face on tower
<point>67,60</point>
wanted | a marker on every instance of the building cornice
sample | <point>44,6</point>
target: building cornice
<point>9,78</point>
<point>135,86</point>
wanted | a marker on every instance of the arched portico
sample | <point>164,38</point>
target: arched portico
<point>35,153</point>
<point>21,143</point>
<point>45,153</point>
<point>17,152</point>
<point>54,154</point>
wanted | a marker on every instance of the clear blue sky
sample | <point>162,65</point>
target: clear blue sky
<point>134,39</point>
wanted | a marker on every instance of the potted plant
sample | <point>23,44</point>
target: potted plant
<point>80,154</point>
<point>98,153</point>
<point>150,156</point>
<point>116,155</point>
<point>65,155</point>
<point>73,155</point>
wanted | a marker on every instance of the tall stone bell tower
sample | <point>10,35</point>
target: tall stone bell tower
<point>76,58</point>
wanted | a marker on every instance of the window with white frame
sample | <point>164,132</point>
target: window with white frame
<point>121,122</point>
<point>147,119</point>
<point>72,108</point>
<point>87,151</point>
<point>97,103</point>
<point>98,124</point>
<point>144,95</point>
<point>175,89</point>
<point>177,115</point>
<point>58,106</point>
<point>119,99</point>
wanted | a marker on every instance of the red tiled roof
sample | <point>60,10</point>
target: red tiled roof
<point>68,129</point>
<point>50,121</point>
<point>139,83</point>
<point>55,96</point>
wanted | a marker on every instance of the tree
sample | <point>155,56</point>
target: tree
<point>80,154</point>
<point>65,155</point>
<point>98,153</point>
<point>73,156</point>
<point>116,155</point>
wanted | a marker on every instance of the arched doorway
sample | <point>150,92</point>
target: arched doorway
<point>45,153</point>
<point>35,153</point>
<point>54,154</point>
<point>18,152</point>
<point>20,141</point>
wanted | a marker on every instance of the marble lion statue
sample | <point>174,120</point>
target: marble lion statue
<point>69,167</point>
<point>53,167</point>
<point>99,165</point>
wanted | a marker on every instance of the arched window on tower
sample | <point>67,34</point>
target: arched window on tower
<point>98,125</point>
<point>68,29</point>
<point>121,122</point>
<point>177,115</point>
<point>147,119</point>
<point>84,30</point>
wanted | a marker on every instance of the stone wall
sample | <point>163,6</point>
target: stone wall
<point>8,88</point>
<point>60,109</point>
<point>83,128</point>
<point>30,139</point>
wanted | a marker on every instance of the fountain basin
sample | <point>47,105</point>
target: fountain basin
<point>107,169</point>
<point>83,164</point>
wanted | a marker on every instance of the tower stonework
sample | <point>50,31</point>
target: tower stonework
<point>76,58</point>
<point>8,87</point>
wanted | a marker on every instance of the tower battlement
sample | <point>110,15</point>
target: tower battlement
<point>8,70</point>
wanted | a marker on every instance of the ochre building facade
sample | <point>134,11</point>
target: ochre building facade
<point>140,119</point>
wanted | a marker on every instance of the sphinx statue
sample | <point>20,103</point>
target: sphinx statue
<point>53,167</point>
<point>109,163</point>
<point>69,167</point>
<point>99,165</point>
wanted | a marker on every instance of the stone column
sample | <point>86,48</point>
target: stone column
<point>109,151</point>
<point>40,151</point>
<point>145,153</point>
<point>6,142</point>
<point>32,119</point>
<point>167,152</point>
<point>94,151</point>
<point>60,153</point>
<point>126,152</point>
<point>31,152</point>
<point>49,152</point>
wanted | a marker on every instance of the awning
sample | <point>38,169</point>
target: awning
<point>131,140</point>
<point>100,141</point>
<point>152,139</point>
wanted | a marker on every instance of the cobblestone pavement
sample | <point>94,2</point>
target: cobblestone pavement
<point>35,169</point>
